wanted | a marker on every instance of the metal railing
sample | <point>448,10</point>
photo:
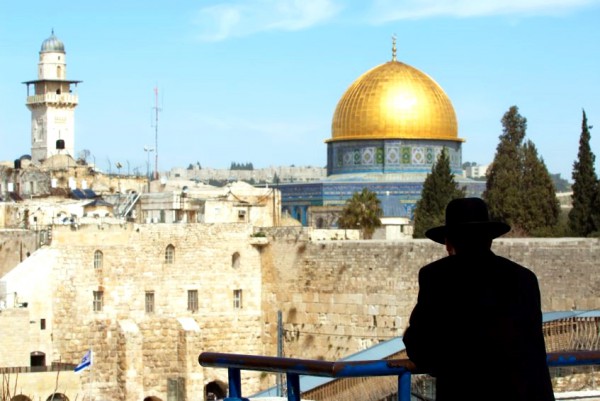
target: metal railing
<point>293,368</point>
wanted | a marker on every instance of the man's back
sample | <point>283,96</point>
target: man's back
<point>477,328</point>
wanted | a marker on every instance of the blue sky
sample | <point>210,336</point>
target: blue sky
<point>258,80</point>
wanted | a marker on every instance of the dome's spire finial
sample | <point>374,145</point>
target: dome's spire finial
<point>394,47</point>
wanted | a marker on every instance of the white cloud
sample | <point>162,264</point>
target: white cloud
<point>392,10</point>
<point>242,18</point>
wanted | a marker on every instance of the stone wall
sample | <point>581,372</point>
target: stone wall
<point>15,246</point>
<point>339,297</point>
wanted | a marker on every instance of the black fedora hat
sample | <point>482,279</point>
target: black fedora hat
<point>467,216</point>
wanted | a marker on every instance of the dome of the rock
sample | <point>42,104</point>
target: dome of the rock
<point>394,101</point>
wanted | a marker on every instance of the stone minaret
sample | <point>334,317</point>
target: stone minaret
<point>52,105</point>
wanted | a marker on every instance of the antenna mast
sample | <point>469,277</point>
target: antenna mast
<point>156,110</point>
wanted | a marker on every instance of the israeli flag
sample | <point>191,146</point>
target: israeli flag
<point>86,362</point>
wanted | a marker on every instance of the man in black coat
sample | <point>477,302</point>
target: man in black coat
<point>477,324</point>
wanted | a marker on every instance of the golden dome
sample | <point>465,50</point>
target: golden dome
<point>394,101</point>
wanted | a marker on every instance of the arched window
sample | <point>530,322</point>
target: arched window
<point>170,254</point>
<point>235,260</point>
<point>98,259</point>
<point>58,72</point>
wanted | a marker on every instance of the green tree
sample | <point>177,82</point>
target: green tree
<point>519,189</point>
<point>503,186</point>
<point>362,211</point>
<point>540,207</point>
<point>439,188</point>
<point>585,186</point>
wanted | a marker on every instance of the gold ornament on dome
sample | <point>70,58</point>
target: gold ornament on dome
<point>394,101</point>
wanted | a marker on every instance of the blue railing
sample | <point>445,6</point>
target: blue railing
<point>293,368</point>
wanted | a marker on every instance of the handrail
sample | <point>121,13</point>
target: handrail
<point>293,367</point>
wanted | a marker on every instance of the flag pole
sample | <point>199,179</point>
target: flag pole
<point>91,373</point>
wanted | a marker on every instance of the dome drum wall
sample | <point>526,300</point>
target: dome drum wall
<point>390,156</point>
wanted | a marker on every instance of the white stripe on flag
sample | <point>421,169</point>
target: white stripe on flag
<point>86,362</point>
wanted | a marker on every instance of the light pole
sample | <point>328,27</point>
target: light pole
<point>148,150</point>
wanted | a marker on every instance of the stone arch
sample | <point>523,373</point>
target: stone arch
<point>215,390</point>
<point>57,397</point>
<point>152,398</point>
<point>20,397</point>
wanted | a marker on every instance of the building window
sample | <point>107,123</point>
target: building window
<point>193,300</point>
<point>237,299</point>
<point>98,301</point>
<point>149,301</point>
<point>42,324</point>
<point>170,254</point>
<point>98,259</point>
<point>235,260</point>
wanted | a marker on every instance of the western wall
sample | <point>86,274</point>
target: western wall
<point>338,297</point>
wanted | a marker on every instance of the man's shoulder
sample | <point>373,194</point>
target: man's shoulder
<point>511,264</point>
<point>437,265</point>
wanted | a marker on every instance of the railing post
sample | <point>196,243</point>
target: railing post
<point>293,387</point>
<point>235,385</point>
<point>404,387</point>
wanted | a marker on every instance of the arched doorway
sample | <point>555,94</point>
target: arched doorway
<point>57,397</point>
<point>37,360</point>
<point>152,398</point>
<point>20,397</point>
<point>215,390</point>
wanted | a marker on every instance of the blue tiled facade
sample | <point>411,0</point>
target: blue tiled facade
<point>389,156</point>
<point>394,169</point>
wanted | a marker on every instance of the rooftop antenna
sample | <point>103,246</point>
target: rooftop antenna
<point>156,110</point>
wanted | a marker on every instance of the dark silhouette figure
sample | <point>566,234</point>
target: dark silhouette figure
<point>477,324</point>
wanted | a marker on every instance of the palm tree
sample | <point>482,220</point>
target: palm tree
<point>362,212</point>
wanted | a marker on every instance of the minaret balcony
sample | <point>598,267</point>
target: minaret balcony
<point>53,98</point>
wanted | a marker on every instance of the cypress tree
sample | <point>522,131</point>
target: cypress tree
<point>519,188</point>
<point>540,207</point>
<point>503,192</point>
<point>439,188</point>
<point>585,186</point>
